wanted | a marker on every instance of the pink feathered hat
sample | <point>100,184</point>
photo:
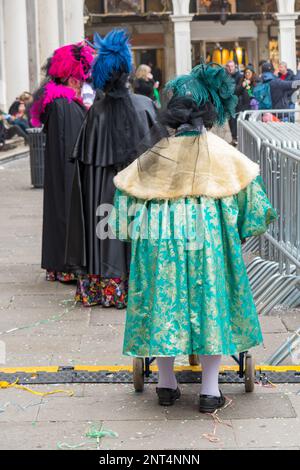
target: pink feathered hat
<point>72,61</point>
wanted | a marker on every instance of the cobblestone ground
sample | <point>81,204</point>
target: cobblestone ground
<point>266,419</point>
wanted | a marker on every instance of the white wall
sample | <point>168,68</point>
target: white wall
<point>2,62</point>
<point>73,20</point>
<point>181,7</point>
<point>182,36</point>
<point>33,43</point>
<point>287,31</point>
<point>286,6</point>
<point>15,48</point>
<point>48,28</point>
<point>215,32</point>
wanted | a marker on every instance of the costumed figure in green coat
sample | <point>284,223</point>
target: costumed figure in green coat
<point>186,205</point>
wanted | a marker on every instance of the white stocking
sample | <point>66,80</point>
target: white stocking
<point>167,377</point>
<point>210,375</point>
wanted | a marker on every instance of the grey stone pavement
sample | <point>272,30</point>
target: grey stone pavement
<point>267,419</point>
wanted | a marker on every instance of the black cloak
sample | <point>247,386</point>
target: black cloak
<point>108,142</point>
<point>62,122</point>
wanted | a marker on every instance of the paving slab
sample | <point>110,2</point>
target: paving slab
<point>18,274</point>
<point>18,406</point>
<point>44,436</point>
<point>291,320</point>
<point>112,403</point>
<point>103,316</point>
<point>166,435</point>
<point>267,433</point>
<point>272,341</point>
<point>272,325</point>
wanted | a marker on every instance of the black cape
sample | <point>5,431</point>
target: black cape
<point>62,122</point>
<point>98,158</point>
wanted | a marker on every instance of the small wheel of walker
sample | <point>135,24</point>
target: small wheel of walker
<point>194,360</point>
<point>138,374</point>
<point>249,374</point>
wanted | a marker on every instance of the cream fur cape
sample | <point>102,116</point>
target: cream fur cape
<point>178,167</point>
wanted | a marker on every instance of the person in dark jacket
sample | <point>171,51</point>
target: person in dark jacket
<point>236,76</point>
<point>244,90</point>
<point>17,116</point>
<point>8,131</point>
<point>281,90</point>
<point>143,83</point>
<point>59,108</point>
<point>109,140</point>
<point>286,74</point>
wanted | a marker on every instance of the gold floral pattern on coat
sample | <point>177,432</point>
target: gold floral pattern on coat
<point>193,301</point>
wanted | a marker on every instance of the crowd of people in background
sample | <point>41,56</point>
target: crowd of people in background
<point>16,121</point>
<point>270,89</point>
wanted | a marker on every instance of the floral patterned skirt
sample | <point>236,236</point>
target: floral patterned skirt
<point>53,276</point>
<point>96,290</point>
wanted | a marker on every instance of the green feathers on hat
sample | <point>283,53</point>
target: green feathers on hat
<point>208,82</point>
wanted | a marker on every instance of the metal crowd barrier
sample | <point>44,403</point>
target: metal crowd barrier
<point>252,131</point>
<point>275,273</point>
<point>284,115</point>
<point>276,279</point>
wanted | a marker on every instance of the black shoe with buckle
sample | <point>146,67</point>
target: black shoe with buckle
<point>209,403</point>
<point>167,396</point>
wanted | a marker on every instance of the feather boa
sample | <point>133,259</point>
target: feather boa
<point>52,91</point>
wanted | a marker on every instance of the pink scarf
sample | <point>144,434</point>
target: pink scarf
<point>52,91</point>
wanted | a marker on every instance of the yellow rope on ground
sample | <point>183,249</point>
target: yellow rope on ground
<point>212,436</point>
<point>6,385</point>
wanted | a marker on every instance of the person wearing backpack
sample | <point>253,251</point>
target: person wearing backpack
<point>262,91</point>
<point>272,92</point>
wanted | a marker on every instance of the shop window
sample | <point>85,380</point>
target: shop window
<point>214,6</point>
<point>235,6</point>
<point>95,6</point>
<point>158,6</point>
<point>221,53</point>
<point>193,6</point>
<point>123,6</point>
<point>155,58</point>
<point>256,6</point>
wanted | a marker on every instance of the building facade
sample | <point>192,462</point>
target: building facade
<point>171,35</point>
<point>30,30</point>
<point>163,31</point>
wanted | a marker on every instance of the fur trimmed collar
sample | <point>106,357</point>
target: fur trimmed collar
<point>52,91</point>
<point>178,167</point>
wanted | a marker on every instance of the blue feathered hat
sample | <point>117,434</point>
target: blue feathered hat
<point>114,55</point>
